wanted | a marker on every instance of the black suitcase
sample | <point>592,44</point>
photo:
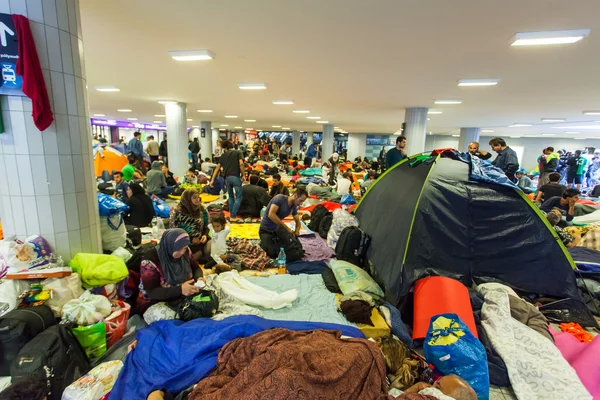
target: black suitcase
<point>17,328</point>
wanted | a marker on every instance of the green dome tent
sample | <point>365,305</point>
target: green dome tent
<point>428,216</point>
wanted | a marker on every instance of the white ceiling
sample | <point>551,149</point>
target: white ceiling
<point>355,63</point>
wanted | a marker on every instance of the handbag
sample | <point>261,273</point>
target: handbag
<point>202,305</point>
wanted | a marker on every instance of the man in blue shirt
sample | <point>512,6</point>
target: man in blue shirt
<point>310,154</point>
<point>506,160</point>
<point>566,203</point>
<point>397,154</point>
<point>136,148</point>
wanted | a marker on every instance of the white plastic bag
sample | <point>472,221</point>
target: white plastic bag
<point>88,309</point>
<point>96,383</point>
<point>10,289</point>
<point>113,238</point>
<point>122,253</point>
<point>63,290</point>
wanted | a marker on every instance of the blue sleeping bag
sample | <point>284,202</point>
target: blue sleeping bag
<point>161,209</point>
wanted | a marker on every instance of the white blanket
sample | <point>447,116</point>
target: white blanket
<point>536,368</point>
<point>239,287</point>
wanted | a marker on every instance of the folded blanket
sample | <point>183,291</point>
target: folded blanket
<point>281,364</point>
<point>248,293</point>
<point>252,256</point>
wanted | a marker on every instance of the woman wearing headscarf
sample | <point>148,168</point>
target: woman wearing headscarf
<point>191,216</point>
<point>168,271</point>
<point>141,209</point>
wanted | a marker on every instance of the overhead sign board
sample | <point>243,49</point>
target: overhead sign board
<point>9,54</point>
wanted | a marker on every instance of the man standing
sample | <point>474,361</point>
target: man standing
<point>474,150</point>
<point>274,233</point>
<point>152,148</point>
<point>163,151</point>
<point>576,165</point>
<point>310,154</point>
<point>195,149</point>
<point>397,154</point>
<point>136,148</point>
<point>548,164</point>
<point>232,164</point>
<point>381,158</point>
<point>506,159</point>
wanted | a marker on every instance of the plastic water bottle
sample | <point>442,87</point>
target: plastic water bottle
<point>155,228</point>
<point>281,262</point>
<point>222,195</point>
<point>160,225</point>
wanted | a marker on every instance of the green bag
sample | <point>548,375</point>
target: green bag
<point>92,338</point>
<point>98,269</point>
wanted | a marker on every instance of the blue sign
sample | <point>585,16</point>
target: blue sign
<point>11,83</point>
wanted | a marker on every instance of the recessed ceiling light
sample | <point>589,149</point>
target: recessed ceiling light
<point>591,113</point>
<point>159,115</point>
<point>231,116</point>
<point>322,122</point>
<point>593,127</point>
<point>455,135</point>
<point>222,130</point>
<point>433,112</point>
<point>548,37</point>
<point>157,122</point>
<point>553,120</point>
<point>124,110</point>
<point>571,132</point>
<point>580,138</point>
<point>487,131</point>
<point>478,82</point>
<point>518,125</point>
<point>285,129</point>
<point>276,126</point>
<point>249,120</point>
<point>313,117</point>
<point>336,127</point>
<point>99,115</point>
<point>191,55</point>
<point>249,129</point>
<point>548,134</point>
<point>283,102</point>
<point>428,119</point>
<point>195,126</point>
<point>238,127</point>
<point>448,101</point>
<point>224,125</point>
<point>301,111</point>
<point>205,111</point>
<point>107,89</point>
<point>132,119</point>
<point>189,119</point>
<point>165,102</point>
<point>252,86</point>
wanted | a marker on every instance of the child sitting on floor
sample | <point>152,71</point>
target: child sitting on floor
<point>219,232</point>
<point>191,177</point>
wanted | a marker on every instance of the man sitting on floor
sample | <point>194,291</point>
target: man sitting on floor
<point>278,187</point>
<point>254,198</point>
<point>120,185</point>
<point>554,217</point>
<point>156,181</point>
<point>275,234</point>
<point>551,189</point>
<point>566,202</point>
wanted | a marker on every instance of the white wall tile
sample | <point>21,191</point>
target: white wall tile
<point>3,179</point>
<point>18,215</point>
<point>34,10</point>
<point>78,173</point>
<point>63,134</point>
<point>75,241</point>
<point>68,177</point>
<point>62,246</point>
<point>87,172</point>
<point>72,16</point>
<point>50,139</point>
<point>23,169</point>
<point>31,217</point>
<point>53,174</point>
<point>27,105</point>
<point>75,135</point>
<point>7,217</point>
<point>71,94</point>
<point>5,6</point>
<point>62,14</point>
<point>81,97</point>
<point>95,236</point>
<point>82,209</point>
<point>85,135</point>
<point>7,138</point>
<point>19,131</point>
<point>50,18</point>
<point>35,142</point>
<point>44,210</point>
<point>78,15</point>
<point>59,214</point>
<point>86,239</point>
<point>67,55</point>
<point>76,56</point>
<point>18,7</point>
<point>39,35</point>
<point>10,163</point>
<point>53,44</point>
<point>15,103</point>
<point>82,57</point>
<point>40,179</point>
<point>72,214</point>
<point>58,92</point>
<point>48,81</point>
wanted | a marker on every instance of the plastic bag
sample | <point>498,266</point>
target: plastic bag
<point>98,269</point>
<point>347,199</point>
<point>341,220</point>
<point>92,339</point>
<point>351,278</point>
<point>87,309</point>
<point>10,290</point>
<point>116,323</point>
<point>122,253</point>
<point>95,384</point>
<point>451,347</point>
<point>18,255</point>
<point>113,238</point>
<point>109,206</point>
<point>63,290</point>
<point>162,209</point>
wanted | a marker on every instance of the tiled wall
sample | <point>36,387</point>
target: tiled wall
<point>47,185</point>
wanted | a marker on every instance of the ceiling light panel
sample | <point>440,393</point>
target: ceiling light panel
<point>157,122</point>
<point>313,117</point>
<point>99,115</point>
<point>448,101</point>
<point>518,125</point>
<point>107,89</point>
<point>231,116</point>
<point>478,82</point>
<point>553,120</point>
<point>132,119</point>
<point>205,111</point>
<point>124,110</point>
<point>548,37</point>
<point>433,112</point>
<point>592,112</point>
<point>249,120</point>
<point>165,102</point>
<point>159,115</point>
<point>301,111</point>
<point>455,135</point>
<point>322,122</point>
<point>252,86</point>
<point>487,131</point>
<point>192,55</point>
<point>283,102</point>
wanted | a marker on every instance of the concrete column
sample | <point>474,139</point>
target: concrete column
<point>295,143</point>
<point>206,145</point>
<point>357,145</point>
<point>327,142</point>
<point>416,129</point>
<point>241,137</point>
<point>47,179</point>
<point>214,138</point>
<point>309,139</point>
<point>467,135</point>
<point>177,145</point>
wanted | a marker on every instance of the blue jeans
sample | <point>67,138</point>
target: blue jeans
<point>234,185</point>
<point>194,160</point>
<point>167,190</point>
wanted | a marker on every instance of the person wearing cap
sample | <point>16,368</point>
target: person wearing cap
<point>524,182</point>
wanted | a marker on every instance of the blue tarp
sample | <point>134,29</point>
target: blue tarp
<point>174,355</point>
<point>483,170</point>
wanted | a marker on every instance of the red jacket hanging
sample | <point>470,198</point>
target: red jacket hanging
<point>28,66</point>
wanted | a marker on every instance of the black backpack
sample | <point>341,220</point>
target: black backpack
<point>352,246</point>
<point>202,305</point>
<point>316,216</point>
<point>139,254</point>
<point>325,225</point>
<point>134,234</point>
<point>291,245</point>
<point>17,328</point>
<point>54,355</point>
